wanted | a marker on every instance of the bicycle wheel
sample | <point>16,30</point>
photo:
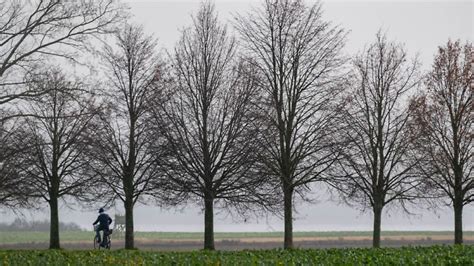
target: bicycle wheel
<point>96,245</point>
<point>109,243</point>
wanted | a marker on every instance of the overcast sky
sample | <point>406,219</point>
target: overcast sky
<point>421,25</point>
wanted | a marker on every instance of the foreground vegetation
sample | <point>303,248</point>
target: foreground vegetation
<point>436,255</point>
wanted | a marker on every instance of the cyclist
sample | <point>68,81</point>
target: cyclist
<point>104,221</point>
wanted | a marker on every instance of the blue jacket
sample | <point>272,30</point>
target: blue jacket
<point>104,220</point>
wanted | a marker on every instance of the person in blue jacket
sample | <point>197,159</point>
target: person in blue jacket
<point>104,221</point>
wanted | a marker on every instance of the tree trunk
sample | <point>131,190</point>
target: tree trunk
<point>458,223</point>
<point>288,197</point>
<point>377,227</point>
<point>54,224</point>
<point>209,223</point>
<point>129,238</point>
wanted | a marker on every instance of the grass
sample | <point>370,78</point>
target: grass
<point>11,237</point>
<point>436,255</point>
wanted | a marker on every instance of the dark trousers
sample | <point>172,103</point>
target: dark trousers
<point>105,230</point>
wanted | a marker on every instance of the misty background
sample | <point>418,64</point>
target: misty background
<point>420,25</point>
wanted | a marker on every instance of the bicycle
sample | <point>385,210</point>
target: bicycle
<point>108,242</point>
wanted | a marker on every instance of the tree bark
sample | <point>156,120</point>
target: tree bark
<point>458,238</point>
<point>209,223</point>
<point>288,197</point>
<point>377,227</point>
<point>54,224</point>
<point>129,237</point>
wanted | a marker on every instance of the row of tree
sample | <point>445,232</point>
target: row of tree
<point>244,125</point>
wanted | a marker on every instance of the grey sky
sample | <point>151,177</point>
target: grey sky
<point>420,25</point>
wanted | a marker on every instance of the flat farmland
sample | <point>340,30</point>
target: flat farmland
<point>167,241</point>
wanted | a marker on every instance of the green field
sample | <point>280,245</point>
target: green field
<point>11,237</point>
<point>436,255</point>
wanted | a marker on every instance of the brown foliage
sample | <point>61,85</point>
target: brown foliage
<point>443,117</point>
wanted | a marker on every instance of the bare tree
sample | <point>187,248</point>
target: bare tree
<point>374,169</point>
<point>33,30</point>
<point>297,54</point>
<point>443,117</point>
<point>209,124</point>
<point>13,189</point>
<point>123,157</point>
<point>55,165</point>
